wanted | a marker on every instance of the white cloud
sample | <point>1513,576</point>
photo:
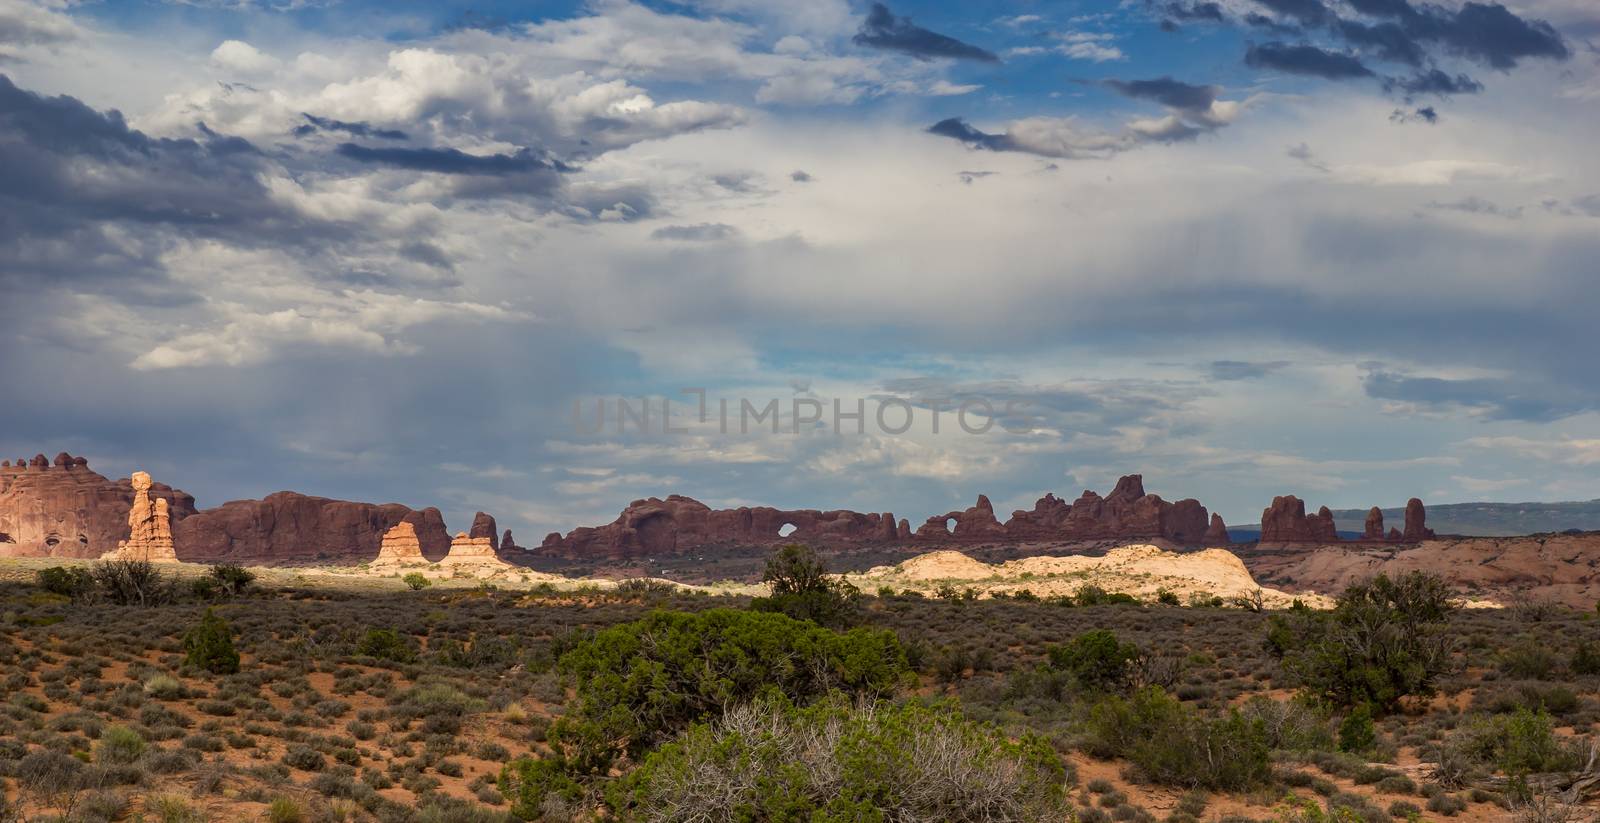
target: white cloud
<point>240,57</point>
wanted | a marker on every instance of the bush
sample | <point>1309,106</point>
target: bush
<point>75,582</point>
<point>232,579</point>
<point>285,810</point>
<point>131,582</point>
<point>1585,659</point>
<point>641,683</point>
<point>1173,745</point>
<point>209,645</point>
<point>1356,733</point>
<point>304,758</point>
<point>802,589</point>
<point>1383,641</point>
<point>416,581</point>
<point>532,784</point>
<point>119,745</point>
<point>836,760</point>
<point>1096,660</point>
<point>387,644</point>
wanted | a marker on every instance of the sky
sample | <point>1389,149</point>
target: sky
<point>424,252</point>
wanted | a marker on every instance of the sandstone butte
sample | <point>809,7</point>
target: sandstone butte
<point>1141,570</point>
<point>680,524</point>
<point>1286,521</point>
<point>399,550</point>
<point>62,508</point>
<point>475,555</point>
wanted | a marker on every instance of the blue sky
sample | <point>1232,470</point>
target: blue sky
<point>1337,248</point>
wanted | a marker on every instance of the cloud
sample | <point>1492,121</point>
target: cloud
<point>1093,46</point>
<point>1305,59</point>
<point>29,24</point>
<point>1486,33</point>
<point>452,161</point>
<point>882,29</point>
<point>1244,369</point>
<point>1386,41</point>
<point>702,232</point>
<point>1474,204</point>
<point>1306,12</point>
<point>1169,92</point>
<point>239,56</point>
<point>1493,397</point>
<point>1434,82</point>
<point>1189,12</point>
<point>315,124</point>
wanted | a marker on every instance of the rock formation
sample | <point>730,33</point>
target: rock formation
<point>1217,532</point>
<point>676,524</point>
<point>149,524</point>
<point>679,524</point>
<point>1374,528</point>
<point>483,525</point>
<point>287,527</point>
<point>509,545</point>
<point>399,549</point>
<point>475,555</point>
<point>67,510</point>
<point>1285,521</point>
<point>1416,521</point>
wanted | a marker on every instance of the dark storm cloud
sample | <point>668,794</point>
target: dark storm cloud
<point>1387,41</point>
<point>800,176</point>
<point>1261,21</point>
<point>1195,12</point>
<point>1244,369</point>
<point>883,30</point>
<point>1496,398</point>
<point>1486,33</point>
<point>70,174</point>
<point>1305,59</point>
<point>1434,82</point>
<point>315,124</point>
<point>1168,92</point>
<point>959,129</point>
<point>451,161</point>
<point>701,232</point>
<point>1425,114</point>
<point>1307,12</point>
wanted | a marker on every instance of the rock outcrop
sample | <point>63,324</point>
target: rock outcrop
<point>1126,513</point>
<point>61,508</point>
<point>1416,521</point>
<point>1285,521</point>
<point>399,549</point>
<point>288,527</point>
<point>149,525</point>
<point>679,524</point>
<point>473,555</point>
<point>1374,526</point>
<point>507,544</point>
<point>1217,532</point>
<point>483,525</point>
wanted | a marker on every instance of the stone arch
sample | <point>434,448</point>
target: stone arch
<point>787,529</point>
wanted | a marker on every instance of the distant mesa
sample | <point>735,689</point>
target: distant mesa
<point>679,524</point>
<point>288,527</point>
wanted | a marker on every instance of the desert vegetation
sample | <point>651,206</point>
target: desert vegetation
<point>131,693</point>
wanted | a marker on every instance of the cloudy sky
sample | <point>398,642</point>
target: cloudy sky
<point>1341,248</point>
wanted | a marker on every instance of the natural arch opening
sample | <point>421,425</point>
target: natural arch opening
<point>787,529</point>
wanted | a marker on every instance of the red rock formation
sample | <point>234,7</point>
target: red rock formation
<point>1217,532</point>
<point>149,524</point>
<point>397,549</point>
<point>287,527</point>
<point>1285,521</point>
<point>67,510</point>
<point>1323,529</point>
<point>507,544</point>
<point>483,525</point>
<point>678,524</point>
<point>1374,529</point>
<point>1416,522</point>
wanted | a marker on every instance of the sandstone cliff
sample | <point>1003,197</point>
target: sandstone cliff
<point>61,508</point>
<point>287,527</point>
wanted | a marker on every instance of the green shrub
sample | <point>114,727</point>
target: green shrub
<point>838,760</point>
<point>75,582</point>
<point>1356,733</point>
<point>232,579</point>
<point>1097,660</point>
<point>1172,744</point>
<point>530,784</point>
<point>416,581</point>
<point>118,745</point>
<point>802,589</point>
<point>1528,658</point>
<point>209,645</point>
<point>641,683</point>
<point>131,582</point>
<point>1384,640</point>
<point>285,810</point>
<point>387,644</point>
<point>1585,659</point>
